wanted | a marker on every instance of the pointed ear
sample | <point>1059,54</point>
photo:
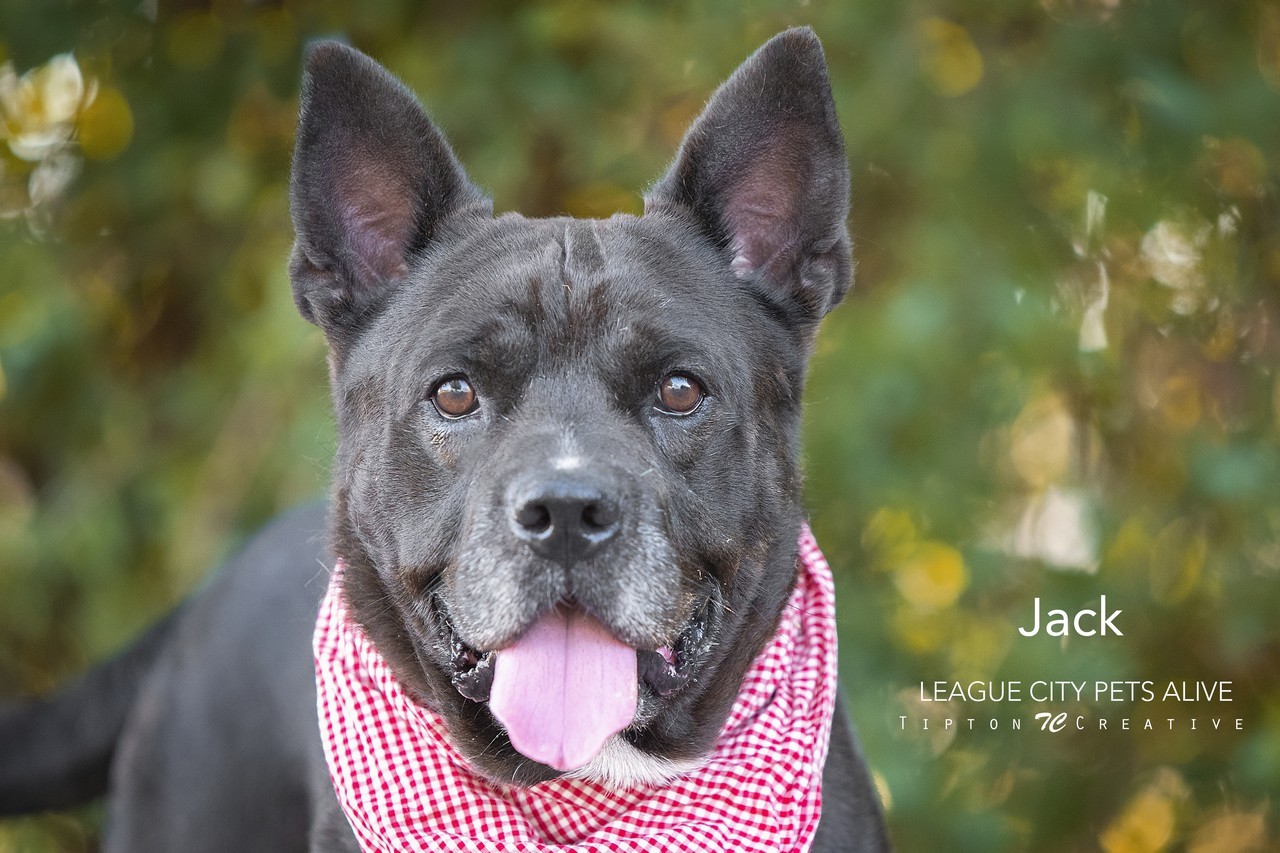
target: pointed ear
<point>764,174</point>
<point>372,179</point>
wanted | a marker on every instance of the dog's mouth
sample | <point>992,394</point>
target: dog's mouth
<point>664,671</point>
<point>470,670</point>
<point>668,669</point>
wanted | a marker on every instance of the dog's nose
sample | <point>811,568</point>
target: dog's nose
<point>566,521</point>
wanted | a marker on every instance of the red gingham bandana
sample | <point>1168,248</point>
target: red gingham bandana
<point>406,789</point>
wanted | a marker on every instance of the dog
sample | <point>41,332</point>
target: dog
<point>566,496</point>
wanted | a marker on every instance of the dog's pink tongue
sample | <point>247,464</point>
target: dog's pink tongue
<point>563,689</point>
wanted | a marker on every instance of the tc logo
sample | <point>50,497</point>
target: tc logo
<point>1052,722</point>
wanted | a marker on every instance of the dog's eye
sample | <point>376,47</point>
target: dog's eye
<point>455,398</point>
<point>679,394</point>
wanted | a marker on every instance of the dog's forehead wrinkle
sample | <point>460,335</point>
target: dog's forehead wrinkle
<point>600,245</point>
<point>584,251</point>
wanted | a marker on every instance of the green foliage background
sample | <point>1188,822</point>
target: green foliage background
<point>1055,376</point>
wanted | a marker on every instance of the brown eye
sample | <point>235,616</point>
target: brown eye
<point>680,394</point>
<point>455,398</point>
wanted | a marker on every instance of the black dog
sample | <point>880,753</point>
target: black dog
<point>530,412</point>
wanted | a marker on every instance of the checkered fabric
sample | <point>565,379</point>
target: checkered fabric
<point>404,787</point>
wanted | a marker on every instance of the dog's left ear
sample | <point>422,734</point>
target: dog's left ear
<point>763,171</point>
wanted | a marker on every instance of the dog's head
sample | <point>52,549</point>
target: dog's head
<point>567,486</point>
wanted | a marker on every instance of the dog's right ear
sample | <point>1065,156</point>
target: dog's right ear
<point>372,179</point>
